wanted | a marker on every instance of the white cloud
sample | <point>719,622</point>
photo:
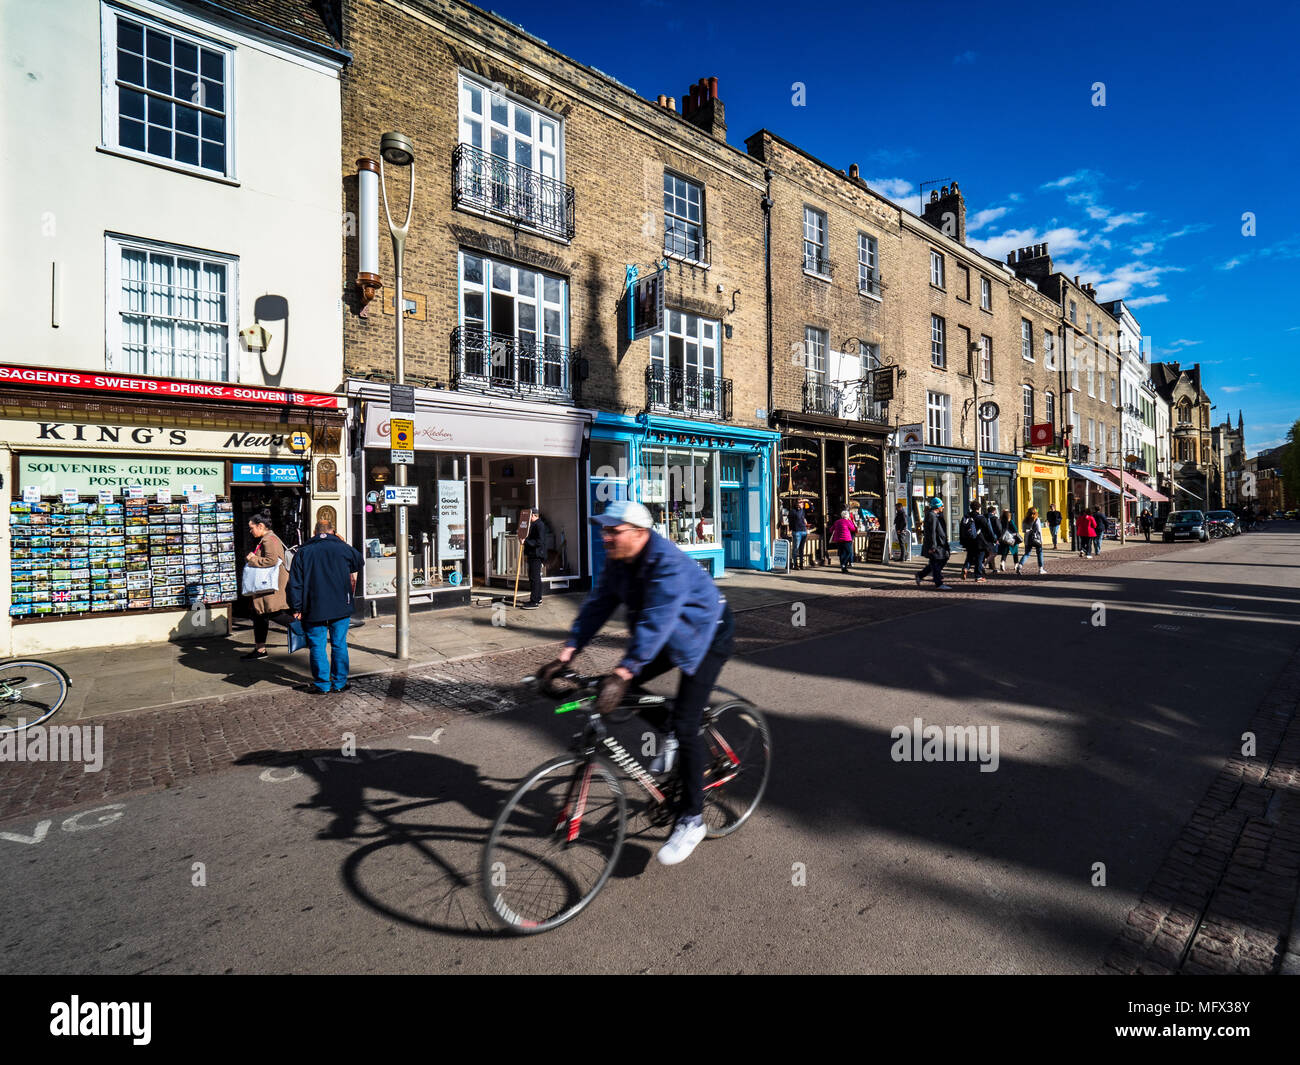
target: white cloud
<point>1117,220</point>
<point>1059,240</point>
<point>1175,345</point>
<point>1293,329</point>
<point>1069,179</point>
<point>1145,248</point>
<point>983,218</point>
<point>1097,213</point>
<point>899,190</point>
<point>1232,388</point>
<point>1146,301</point>
<point>1135,275</point>
<point>1231,264</point>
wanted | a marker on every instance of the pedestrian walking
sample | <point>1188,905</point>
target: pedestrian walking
<point>934,545</point>
<point>1084,526</point>
<point>1054,523</point>
<point>994,536</point>
<point>1099,521</point>
<point>1008,542</point>
<point>973,535</point>
<point>270,606</point>
<point>900,531</point>
<point>799,530</point>
<point>1033,530</point>
<point>322,584</point>
<point>842,537</point>
<point>534,553</point>
<point>1145,523</point>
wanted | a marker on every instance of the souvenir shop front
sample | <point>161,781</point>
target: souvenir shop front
<point>829,465</point>
<point>707,486</point>
<point>949,473</point>
<point>127,511</point>
<point>480,462</point>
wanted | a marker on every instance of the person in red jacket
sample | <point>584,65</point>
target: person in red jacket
<point>1086,528</point>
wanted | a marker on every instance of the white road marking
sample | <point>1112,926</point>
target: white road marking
<point>432,738</point>
<point>71,824</point>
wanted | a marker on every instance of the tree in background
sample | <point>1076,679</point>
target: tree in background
<point>1291,463</point>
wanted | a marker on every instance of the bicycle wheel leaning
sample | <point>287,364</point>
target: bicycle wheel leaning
<point>554,844</point>
<point>739,749</point>
<point>30,692</point>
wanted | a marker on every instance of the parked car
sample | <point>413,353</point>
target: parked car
<point>1229,520</point>
<point>1185,524</point>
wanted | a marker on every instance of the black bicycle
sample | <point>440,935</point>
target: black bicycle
<point>558,837</point>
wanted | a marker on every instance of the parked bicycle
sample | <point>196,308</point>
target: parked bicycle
<point>558,837</point>
<point>30,692</point>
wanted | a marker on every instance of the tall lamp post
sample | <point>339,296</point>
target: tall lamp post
<point>397,150</point>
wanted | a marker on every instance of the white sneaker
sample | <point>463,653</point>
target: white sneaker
<point>667,757</point>
<point>685,838</point>
<point>1042,570</point>
<point>944,588</point>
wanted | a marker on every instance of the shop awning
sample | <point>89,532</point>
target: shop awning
<point>1098,479</point>
<point>1188,491</point>
<point>1135,485</point>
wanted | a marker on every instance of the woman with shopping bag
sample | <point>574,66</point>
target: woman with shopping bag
<point>266,576</point>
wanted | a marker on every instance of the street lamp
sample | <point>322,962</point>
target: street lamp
<point>397,150</point>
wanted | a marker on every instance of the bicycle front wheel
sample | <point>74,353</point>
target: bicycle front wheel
<point>739,751</point>
<point>554,844</point>
<point>30,692</point>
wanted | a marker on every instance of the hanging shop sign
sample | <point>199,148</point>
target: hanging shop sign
<point>163,387</point>
<point>645,299</point>
<point>55,474</point>
<point>882,384</point>
<point>910,436</point>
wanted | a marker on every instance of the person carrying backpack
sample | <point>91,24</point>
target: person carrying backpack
<point>973,534</point>
<point>934,545</point>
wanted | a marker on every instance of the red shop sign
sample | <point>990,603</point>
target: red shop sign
<point>163,387</point>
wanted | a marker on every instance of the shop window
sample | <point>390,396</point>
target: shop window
<point>681,493</point>
<point>438,529</point>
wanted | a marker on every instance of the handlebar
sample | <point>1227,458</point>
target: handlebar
<point>579,689</point>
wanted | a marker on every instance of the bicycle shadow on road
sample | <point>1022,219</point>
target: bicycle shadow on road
<point>421,820</point>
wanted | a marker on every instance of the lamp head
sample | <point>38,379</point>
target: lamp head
<point>397,149</point>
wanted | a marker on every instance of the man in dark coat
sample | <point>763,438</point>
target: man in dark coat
<point>934,545</point>
<point>1145,523</point>
<point>900,532</point>
<point>322,582</point>
<point>1054,523</point>
<point>534,553</point>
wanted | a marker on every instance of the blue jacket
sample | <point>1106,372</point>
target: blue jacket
<point>320,579</point>
<point>672,604</point>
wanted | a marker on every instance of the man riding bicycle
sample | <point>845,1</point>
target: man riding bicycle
<point>678,619</point>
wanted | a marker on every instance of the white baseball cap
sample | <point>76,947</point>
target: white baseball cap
<point>624,512</point>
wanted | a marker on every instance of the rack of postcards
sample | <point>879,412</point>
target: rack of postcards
<point>79,557</point>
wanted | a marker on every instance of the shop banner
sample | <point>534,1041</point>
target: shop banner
<point>87,476</point>
<point>452,533</point>
<point>163,387</point>
<point>489,432</point>
<point>106,436</point>
<point>267,473</point>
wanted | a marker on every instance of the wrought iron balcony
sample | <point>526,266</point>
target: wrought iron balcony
<point>496,186</point>
<point>814,261</point>
<point>851,401</point>
<point>700,395</point>
<point>822,398</point>
<point>498,362</point>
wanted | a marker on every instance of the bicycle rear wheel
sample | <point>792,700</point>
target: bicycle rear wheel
<point>554,844</point>
<point>739,749</point>
<point>30,692</point>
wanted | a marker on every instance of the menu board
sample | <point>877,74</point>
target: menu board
<point>75,558</point>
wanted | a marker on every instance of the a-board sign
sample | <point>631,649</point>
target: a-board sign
<point>877,546</point>
<point>781,555</point>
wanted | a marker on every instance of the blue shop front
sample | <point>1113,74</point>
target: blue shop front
<point>707,486</point>
<point>949,473</point>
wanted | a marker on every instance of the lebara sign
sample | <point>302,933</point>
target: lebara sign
<point>59,473</point>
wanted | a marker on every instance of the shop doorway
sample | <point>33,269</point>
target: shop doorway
<point>288,507</point>
<point>502,488</point>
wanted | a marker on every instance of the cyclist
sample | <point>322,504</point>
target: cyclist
<point>677,619</point>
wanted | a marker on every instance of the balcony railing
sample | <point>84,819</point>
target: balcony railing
<point>496,186</point>
<point>700,395</point>
<point>498,362</point>
<point>815,262</point>
<point>850,401</point>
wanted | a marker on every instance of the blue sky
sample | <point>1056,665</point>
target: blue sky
<point>1143,196</point>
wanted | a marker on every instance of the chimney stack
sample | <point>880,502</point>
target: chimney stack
<point>702,107</point>
<point>1032,263</point>
<point>946,211</point>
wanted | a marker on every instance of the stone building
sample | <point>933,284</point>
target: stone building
<point>585,306</point>
<point>1191,448</point>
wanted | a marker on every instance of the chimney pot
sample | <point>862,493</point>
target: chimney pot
<point>853,171</point>
<point>662,101</point>
<point>713,88</point>
<point>1011,258</point>
<point>672,104</point>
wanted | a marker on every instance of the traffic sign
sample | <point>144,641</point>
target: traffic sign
<point>403,458</point>
<point>401,495</point>
<point>401,399</point>
<point>401,434</point>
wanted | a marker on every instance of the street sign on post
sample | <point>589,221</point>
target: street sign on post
<point>401,399</point>
<point>401,495</point>
<point>401,438</point>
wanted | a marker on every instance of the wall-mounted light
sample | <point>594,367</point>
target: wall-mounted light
<point>256,338</point>
<point>368,280</point>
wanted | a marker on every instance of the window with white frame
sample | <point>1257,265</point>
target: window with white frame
<point>167,93</point>
<point>683,217</point>
<point>1074,312</point>
<point>171,311</point>
<point>936,269</point>
<point>937,419</point>
<point>986,358</point>
<point>687,358</point>
<point>814,242</point>
<point>1092,434</point>
<point>1049,408</point>
<point>1049,349</point>
<point>1091,391</point>
<point>815,343</point>
<point>1088,316</point>
<point>986,294</point>
<point>869,356</point>
<point>1026,340</point>
<point>514,324</point>
<point>868,265</point>
<point>989,435</point>
<point>938,342</point>
<point>1027,407</point>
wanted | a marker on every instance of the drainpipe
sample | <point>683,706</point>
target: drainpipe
<point>767,204</point>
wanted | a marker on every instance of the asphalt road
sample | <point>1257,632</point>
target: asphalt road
<point>1108,734</point>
